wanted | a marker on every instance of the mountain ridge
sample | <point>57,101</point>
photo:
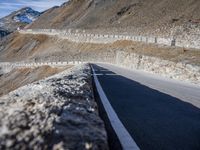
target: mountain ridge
<point>17,19</point>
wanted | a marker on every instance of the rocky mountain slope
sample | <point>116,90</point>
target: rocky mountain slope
<point>141,16</point>
<point>17,19</point>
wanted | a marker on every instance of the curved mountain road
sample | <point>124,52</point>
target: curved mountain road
<point>158,113</point>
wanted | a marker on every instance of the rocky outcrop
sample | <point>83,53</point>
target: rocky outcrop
<point>3,33</point>
<point>56,113</point>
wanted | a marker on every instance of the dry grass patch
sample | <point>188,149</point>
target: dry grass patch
<point>20,77</point>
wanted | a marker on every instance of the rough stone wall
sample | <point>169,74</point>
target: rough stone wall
<point>55,113</point>
<point>180,71</point>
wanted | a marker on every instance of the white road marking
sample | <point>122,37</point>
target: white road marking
<point>125,138</point>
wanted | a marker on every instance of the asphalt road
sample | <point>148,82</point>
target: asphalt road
<point>160,114</point>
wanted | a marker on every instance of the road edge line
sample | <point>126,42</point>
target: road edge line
<point>127,142</point>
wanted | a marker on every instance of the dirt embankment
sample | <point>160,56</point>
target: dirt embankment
<point>20,77</point>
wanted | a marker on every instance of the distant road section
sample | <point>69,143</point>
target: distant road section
<point>158,113</point>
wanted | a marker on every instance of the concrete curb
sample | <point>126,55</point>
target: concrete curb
<point>124,137</point>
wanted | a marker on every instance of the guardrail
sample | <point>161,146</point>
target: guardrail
<point>11,65</point>
<point>82,37</point>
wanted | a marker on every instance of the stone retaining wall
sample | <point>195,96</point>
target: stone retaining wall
<point>169,69</point>
<point>81,37</point>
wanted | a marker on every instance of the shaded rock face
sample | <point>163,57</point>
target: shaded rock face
<point>3,33</point>
<point>55,113</point>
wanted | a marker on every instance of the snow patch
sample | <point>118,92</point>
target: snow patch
<point>26,15</point>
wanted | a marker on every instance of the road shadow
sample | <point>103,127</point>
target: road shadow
<point>155,120</point>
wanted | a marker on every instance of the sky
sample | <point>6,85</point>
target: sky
<point>8,6</point>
